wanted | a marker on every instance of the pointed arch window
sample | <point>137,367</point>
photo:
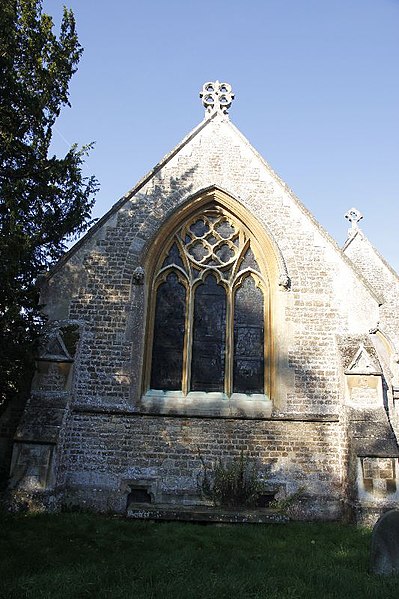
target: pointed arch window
<point>209,318</point>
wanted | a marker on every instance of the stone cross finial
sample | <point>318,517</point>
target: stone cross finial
<point>354,216</point>
<point>216,96</point>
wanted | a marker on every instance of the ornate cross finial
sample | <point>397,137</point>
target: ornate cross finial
<point>216,96</point>
<point>354,216</point>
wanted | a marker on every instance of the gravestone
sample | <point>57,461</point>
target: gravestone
<point>384,555</point>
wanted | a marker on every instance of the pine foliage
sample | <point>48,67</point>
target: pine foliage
<point>44,200</point>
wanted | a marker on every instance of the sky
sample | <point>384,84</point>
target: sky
<point>316,86</point>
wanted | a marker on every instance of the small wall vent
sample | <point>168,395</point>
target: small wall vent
<point>138,495</point>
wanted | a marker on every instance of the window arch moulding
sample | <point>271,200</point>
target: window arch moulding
<point>209,338</point>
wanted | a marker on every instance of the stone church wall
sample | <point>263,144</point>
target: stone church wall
<point>98,279</point>
<point>107,442</point>
<point>381,276</point>
<point>162,455</point>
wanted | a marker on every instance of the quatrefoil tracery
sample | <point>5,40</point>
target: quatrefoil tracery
<point>216,96</point>
<point>211,241</point>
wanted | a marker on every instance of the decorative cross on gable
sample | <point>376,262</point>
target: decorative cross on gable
<point>354,216</point>
<point>216,96</point>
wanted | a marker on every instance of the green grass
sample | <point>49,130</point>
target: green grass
<point>84,555</point>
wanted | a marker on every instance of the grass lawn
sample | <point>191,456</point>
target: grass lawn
<point>86,555</point>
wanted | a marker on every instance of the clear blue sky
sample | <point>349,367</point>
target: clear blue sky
<point>316,84</point>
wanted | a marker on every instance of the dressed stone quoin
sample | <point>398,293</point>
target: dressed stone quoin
<point>206,315</point>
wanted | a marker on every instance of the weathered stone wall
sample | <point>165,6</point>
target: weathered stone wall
<point>104,455</point>
<point>101,452</point>
<point>385,281</point>
<point>98,277</point>
<point>381,277</point>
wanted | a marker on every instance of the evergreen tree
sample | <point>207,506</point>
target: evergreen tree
<point>44,200</point>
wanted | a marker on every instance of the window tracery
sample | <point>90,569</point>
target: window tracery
<point>209,315</point>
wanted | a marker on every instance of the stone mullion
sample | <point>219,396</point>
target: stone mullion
<point>267,344</point>
<point>151,324</point>
<point>188,340</point>
<point>229,358</point>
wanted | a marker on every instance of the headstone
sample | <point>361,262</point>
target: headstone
<point>384,555</point>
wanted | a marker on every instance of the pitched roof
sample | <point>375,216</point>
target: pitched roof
<point>215,119</point>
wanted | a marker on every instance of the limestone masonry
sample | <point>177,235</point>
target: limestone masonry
<point>209,314</point>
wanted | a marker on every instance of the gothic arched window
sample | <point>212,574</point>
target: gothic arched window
<point>209,315</point>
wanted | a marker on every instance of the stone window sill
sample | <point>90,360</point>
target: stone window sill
<point>200,403</point>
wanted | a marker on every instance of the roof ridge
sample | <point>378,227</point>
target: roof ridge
<point>327,236</point>
<point>364,237</point>
<point>129,194</point>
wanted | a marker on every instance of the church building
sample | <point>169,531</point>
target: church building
<point>207,316</point>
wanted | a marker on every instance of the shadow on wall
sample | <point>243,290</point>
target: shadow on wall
<point>107,447</point>
<point>292,454</point>
<point>111,308</point>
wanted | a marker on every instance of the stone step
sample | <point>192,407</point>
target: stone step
<point>199,513</point>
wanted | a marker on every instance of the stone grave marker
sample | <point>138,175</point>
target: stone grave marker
<point>384,554</point>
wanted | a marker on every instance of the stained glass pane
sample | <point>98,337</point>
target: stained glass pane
<point>167,350</point>
<point>199,228</point>
<point>211,239</point>
<point>225,229</point>
<point>198,251</point>
<point>207,370</point>
<point>224,253</point>
<point>249,261</point>
<point>212,262</point>
<point>173,257</point>
<point>248,372</point>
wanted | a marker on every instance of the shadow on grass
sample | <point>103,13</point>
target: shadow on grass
<point>85,555</point>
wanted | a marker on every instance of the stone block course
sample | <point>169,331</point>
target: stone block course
<point>107,436</point>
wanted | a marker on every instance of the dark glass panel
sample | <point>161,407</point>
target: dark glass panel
<point>195,271</point>
<point>226,273</point>
<point>199,228</point>
<point>173,257</point>
<point>224,252</point>
<point>167,349</point>
<point>211,239</point>
<point>212,262</point>
<point>207,368</point>
<point>249,261</point>
<point>224,229</point>
<point>248,373</point>
<point>198,251</point>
